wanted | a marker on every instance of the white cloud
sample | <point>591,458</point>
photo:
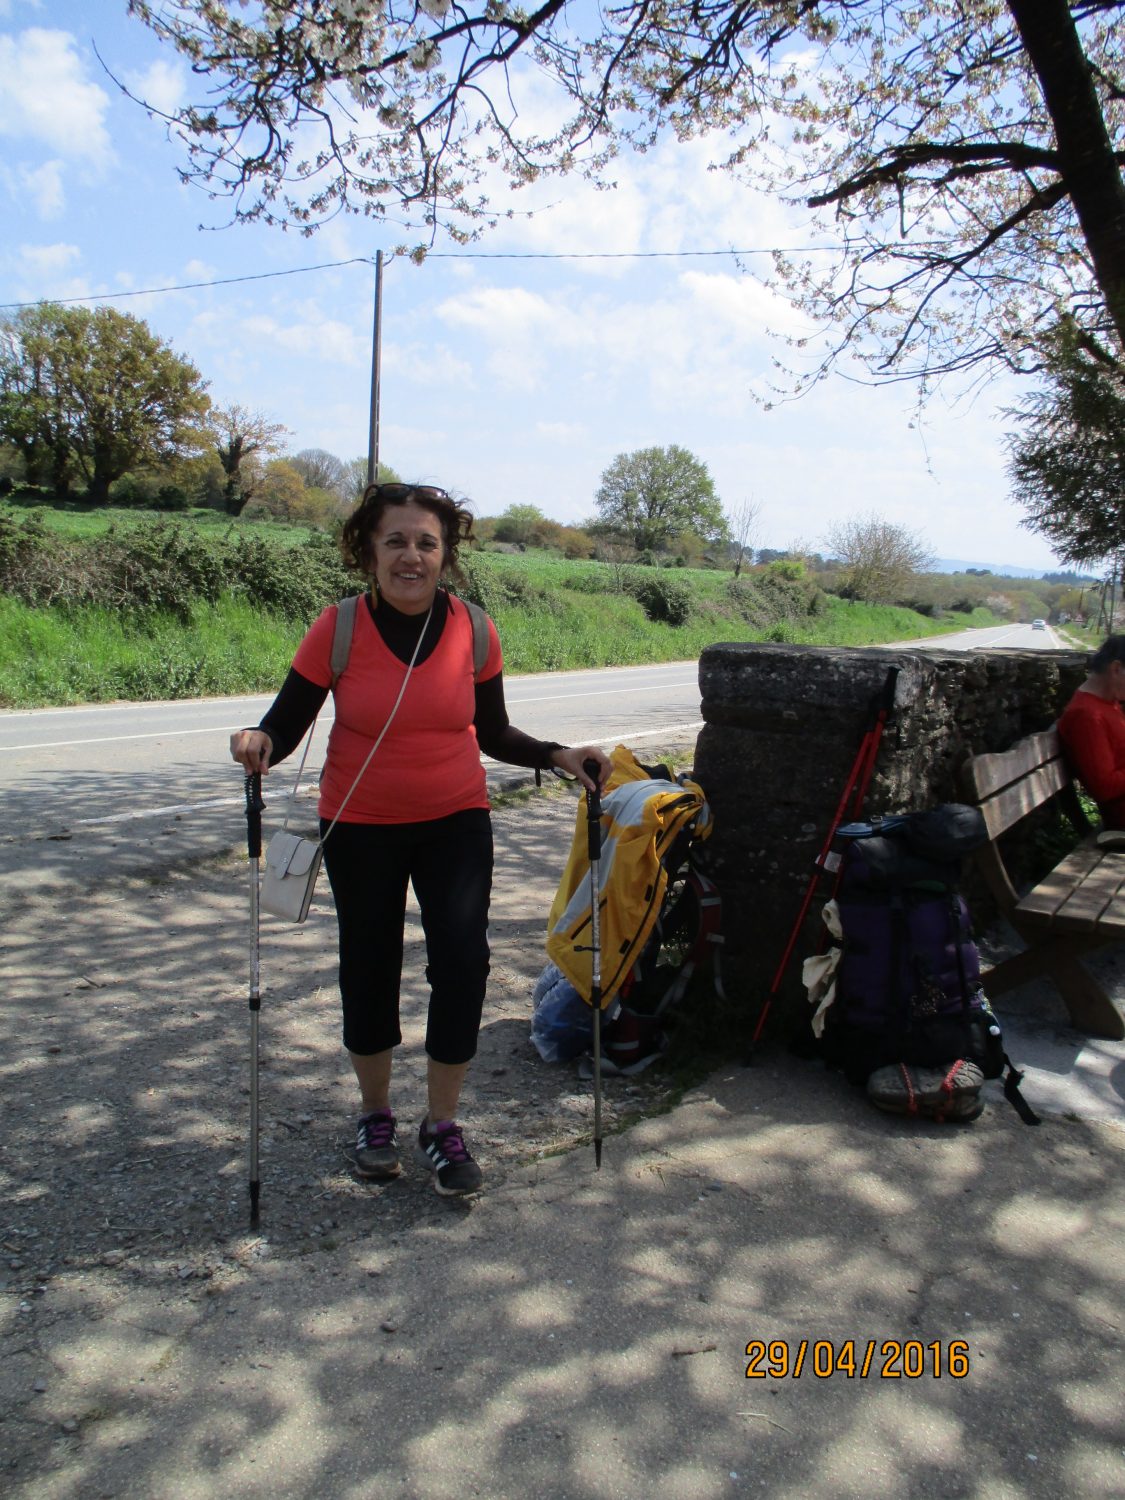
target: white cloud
<point>742,305</point>
<point>326,339</point>
<point>47,260</point>
<point>47,99</point>
<point>163,85</point>
<point>434,366</point>
<point>199,270</point>
<point>522,331</point>
<point>561,432</point>
<point>43,185</point>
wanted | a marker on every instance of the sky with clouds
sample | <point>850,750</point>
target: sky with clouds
<point>511,381</point>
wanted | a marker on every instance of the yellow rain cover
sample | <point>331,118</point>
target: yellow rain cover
<point>640,819</point>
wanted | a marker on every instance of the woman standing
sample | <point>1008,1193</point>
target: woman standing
<point>419,815</point>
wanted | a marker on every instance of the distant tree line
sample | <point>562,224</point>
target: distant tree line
<point>94,405</point>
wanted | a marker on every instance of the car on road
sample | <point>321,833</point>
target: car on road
<point>1038,624</point>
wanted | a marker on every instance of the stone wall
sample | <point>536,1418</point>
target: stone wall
<point>782,728</point>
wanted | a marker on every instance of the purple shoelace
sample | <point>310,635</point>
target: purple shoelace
<point>450,1142</point>
<point>376,1130</point>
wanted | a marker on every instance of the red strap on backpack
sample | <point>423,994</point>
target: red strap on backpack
<point>947,1088</point>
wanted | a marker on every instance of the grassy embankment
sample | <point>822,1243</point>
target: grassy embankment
<point>551,614</point>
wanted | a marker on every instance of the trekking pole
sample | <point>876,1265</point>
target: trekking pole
<point>855,792</point>
<point>594,845</point>
<point>254,809</point>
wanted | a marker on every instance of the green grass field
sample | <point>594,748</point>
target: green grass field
<point>76,519</point>
<point>551,614</point>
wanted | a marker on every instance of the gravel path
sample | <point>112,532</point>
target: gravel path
<point>124,1097</point>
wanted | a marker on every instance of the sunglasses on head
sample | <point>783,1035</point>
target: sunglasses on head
<point>396,492</point>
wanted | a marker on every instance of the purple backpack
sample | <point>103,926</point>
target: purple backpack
<point>908,984</point>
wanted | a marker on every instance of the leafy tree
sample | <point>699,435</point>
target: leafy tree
<point>655,494</point>
<point>280,493</point>
<point>321,470</point>
<point>32,415</point>
<point>965,152</point>
<point>520,523</point>
<point>1067,458</point>
<point>880,559</point>
<point>355,478</point>
<point>241,436</point>
<point>97,393</point>
<point>315,507</point>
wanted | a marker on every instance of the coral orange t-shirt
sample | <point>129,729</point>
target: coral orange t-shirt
<point>428,765</point>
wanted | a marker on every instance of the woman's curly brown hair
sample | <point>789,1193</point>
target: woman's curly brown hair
<point>456,521</point>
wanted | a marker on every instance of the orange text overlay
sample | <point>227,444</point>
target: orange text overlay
<point>879,1359</point>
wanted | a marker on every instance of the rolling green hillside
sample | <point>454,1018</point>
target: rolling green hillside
<point>104,605</point>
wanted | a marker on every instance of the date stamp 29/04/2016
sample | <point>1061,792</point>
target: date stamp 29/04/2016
<point>882,1359</point>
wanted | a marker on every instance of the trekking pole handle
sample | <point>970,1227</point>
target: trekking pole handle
<point>593,810</point>
<point>254,809</point>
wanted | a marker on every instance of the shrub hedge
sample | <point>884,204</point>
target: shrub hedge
<point>165,567</point>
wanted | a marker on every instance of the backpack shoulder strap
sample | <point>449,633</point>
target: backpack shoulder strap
<point>479,622</point>
<point>342,640</point>
<point>345,629</point>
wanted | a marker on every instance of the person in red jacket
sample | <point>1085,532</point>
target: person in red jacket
<point>420,815</point>
<point>1092,730</point>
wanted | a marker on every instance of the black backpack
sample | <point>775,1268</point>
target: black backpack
<point>908,987</point>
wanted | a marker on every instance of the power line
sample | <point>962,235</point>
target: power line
<point>367,260</point>
<point>192,286</point>
<point>612,254</point>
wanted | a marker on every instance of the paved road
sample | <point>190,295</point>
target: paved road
<point>1018,637</point>
<point>117,787</point>
<point>108,776</point>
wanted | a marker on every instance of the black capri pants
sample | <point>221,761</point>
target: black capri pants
<point>449,863</point>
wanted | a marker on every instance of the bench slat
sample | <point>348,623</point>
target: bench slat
<point>1096,902</point>
<point>1086,891</point>
<point>1014,802</point>
<point>988,773</point>
<point>1050,894</point>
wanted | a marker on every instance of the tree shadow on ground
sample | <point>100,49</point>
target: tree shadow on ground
<point>569,1334</point>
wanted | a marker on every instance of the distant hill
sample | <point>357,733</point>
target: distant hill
<point>1002,570</point>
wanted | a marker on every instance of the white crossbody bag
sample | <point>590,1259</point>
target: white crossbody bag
<point>292,862</point>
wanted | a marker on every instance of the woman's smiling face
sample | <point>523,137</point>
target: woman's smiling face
<point>407,551</point>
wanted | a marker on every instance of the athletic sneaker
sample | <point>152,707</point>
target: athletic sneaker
<point>443,1150</point>
<point>376,1146</point>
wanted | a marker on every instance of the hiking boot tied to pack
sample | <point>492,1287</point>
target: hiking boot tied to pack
<point>376,1146</point>
<point>443,1150</point>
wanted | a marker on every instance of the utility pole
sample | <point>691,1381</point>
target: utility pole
<point>376,361</point>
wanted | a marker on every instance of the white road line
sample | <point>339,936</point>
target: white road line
<point>158,812</point>
<point>176,808</point>
<point>112,739</point>
<point>169,734</point>
<point>607,692</point>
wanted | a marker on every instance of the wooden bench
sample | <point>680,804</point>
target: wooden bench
<point>1078,908</point>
